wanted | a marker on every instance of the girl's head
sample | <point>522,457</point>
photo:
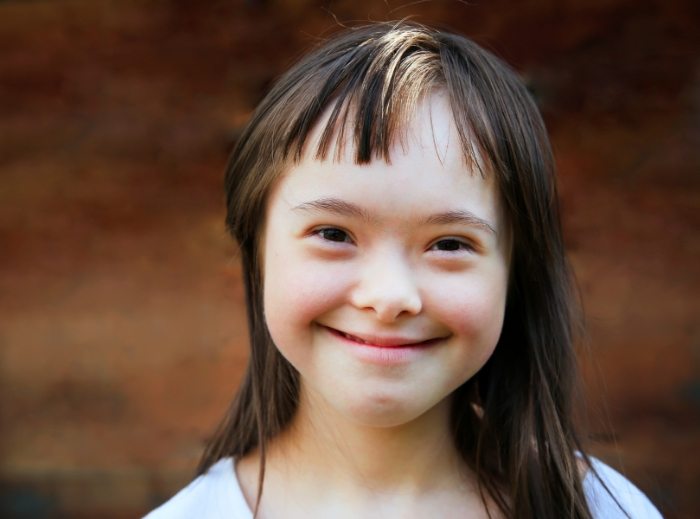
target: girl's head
<point>410,256</point>
<point>373,99</point>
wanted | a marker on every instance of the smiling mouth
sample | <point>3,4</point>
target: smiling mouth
<point>384,342</point>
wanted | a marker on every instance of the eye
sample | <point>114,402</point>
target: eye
<point>333,234</point>
<point>451,245</point>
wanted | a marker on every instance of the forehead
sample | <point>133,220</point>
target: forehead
<point>428,128</point>
<point>425,173</point>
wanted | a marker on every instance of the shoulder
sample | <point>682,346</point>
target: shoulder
<point>213,495</point>
<point>602,503</point>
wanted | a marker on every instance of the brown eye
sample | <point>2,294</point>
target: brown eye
<point>334,235</point>
<point>451,245</point>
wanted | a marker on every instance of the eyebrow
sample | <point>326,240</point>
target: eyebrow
<point>335,206</point>
<point>343,208</point>
<point>461,217</point>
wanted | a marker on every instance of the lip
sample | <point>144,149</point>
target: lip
<point>377,341</point>
<point>385,350</point>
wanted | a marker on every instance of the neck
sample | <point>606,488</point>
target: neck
<point>414,457</point>
<point>325,465</point>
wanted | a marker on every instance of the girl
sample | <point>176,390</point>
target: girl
<point>409,302</point>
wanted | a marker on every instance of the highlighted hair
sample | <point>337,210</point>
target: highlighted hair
<point>512,422</point>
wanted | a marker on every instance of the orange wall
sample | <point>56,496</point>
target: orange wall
<point>122,334</point>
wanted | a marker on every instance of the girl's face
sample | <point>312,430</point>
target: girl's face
<point>385,284</point>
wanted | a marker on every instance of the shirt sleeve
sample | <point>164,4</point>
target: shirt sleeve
<point>214,495</point>
<point>629,498</point>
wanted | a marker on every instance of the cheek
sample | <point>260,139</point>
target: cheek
<point>296,294</point>
<point>475,310</point>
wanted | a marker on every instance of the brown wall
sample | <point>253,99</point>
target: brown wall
<point>122,332</point>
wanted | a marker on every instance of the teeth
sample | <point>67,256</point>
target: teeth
<point>353,338</point>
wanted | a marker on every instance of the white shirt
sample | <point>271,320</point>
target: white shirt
<point>218,495</point>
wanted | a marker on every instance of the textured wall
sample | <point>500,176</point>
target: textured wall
<point>122,334</point>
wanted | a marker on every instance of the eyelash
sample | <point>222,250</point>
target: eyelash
<point>462,245</point>
<point>325,233</point>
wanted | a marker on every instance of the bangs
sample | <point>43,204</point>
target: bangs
<point>360,91</point>
<point>370,87</point>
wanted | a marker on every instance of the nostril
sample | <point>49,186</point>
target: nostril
<point>391,310</point>
<point>387,288</point>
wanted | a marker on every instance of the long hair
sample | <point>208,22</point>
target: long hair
<point>512,422</point>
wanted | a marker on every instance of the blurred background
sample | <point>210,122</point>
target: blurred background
<point>122,328</point>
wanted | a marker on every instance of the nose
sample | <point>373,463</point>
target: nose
<point>387,286</point>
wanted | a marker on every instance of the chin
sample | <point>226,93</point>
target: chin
<point>385,411</point>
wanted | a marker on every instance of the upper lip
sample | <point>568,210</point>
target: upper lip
<point>387,341</point>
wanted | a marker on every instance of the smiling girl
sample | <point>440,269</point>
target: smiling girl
<point>409,301</point>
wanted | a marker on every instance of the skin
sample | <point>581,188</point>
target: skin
<point>385,287</point>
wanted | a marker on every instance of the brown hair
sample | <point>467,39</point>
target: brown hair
<point>512,421</point>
